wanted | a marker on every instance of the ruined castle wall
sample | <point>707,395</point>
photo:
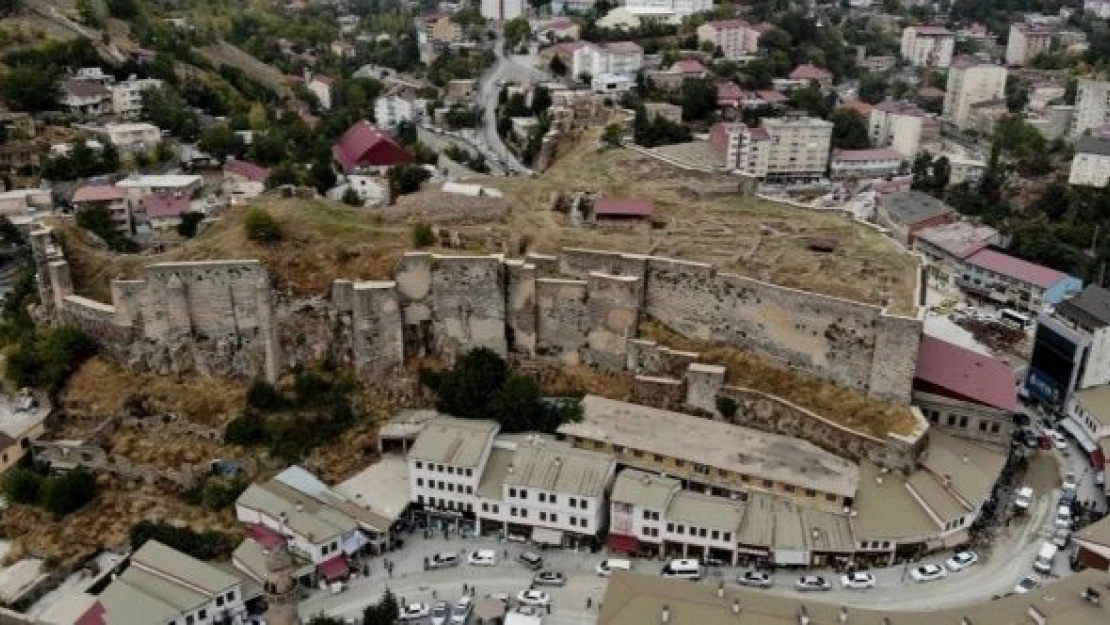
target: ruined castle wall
<point>96,320</point>
<point>650,358</point>
<point>521,306</point>
<point>377,328</point>
<point>468,304</point>
<point>897,340</point>
<point>614,309</point>
<point>562,319</point>
<point>220,298</point>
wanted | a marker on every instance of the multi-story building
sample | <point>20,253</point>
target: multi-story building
<point>110,198</point>
<point>727,461</point>
<point>244,180</point>
<point>928,46</point>
<point>85,99</point>
<point>969,82</point>
<point>902,126</point>
<point>545,491</point>
<point>1090,165</point>
<point>735,38</point>
<point>864,164</point>
<point>1026,41</point>
<point>675,9</point>
<point>1098,8</point>
<point>445,467</point>
<point>502,10</point>
<point>1088,421</point>
<point>1092,106</point>
<point>782,148</point>
<point>1011,282</point>
<point>967,393</point>
<point>949,246</point>
<point>620,58</point>
<point>127,96</point>
<point>906,214</point>
<point>132,136</point>
<point>1071,348</point>
<point>391,110</point>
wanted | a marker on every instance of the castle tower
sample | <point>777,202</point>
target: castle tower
<point>281,596</point>
<point>266,328</point>
<point>177,306</point>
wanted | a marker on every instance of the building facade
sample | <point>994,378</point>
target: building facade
<point>863,164</point>
<point>735,38</point>
<point>1090,165</point>
<point>1092,106</point>
<point>445,468</point>
<point>502,10</point>
<point>127,96</point>
<point>1011,282</point>
<point>928,46</point>
<point>970,82</point>
<point>1026,41</point>
<point>1071,348</point>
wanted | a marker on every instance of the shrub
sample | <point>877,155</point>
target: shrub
<point>23,486</point>
<point>200,545</point>
<point>219,494</point>
<point>263,396</point>
<point>189,222</point>
<point>247,430</point>
<point>261,226</point>
<point>67,493</point>
<point>422,235</point>
<point>727,406</point>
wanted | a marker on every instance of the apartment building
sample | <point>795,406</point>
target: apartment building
<point>620,58</point>
<point>1088,420</point>
<point>548,492</point>
<point>928,46</point>
<point>127,96</point>
<point>902,126</point>
<point>162,586</point>
<point>110,198</point>
<point>1010,282</point>
<point>244,180</point>
<point>1090,165</point>
<point>502,10</point>
<point>1092,107</point>
<point>674,10</point>
<point>132,136</point>
<point>783,148</point>
<point>138,187</point>
<point>735,38</point>
<point>948,247</point>
<point>864,164</point>
<point>85,99</point>
<point>445,467</point>
<point>969,82</point>
<point>391,110</point>
<point>1026,41</point>
<point>1071,348</point>
<point>727,461</point>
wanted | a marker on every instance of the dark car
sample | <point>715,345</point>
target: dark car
<point>549,578</point>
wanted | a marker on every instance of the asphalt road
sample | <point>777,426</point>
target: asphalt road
<point>507,68</point>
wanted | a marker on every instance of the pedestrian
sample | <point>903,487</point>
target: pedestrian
<point>589,602</point>
<point>464,588</point>
<point>433,594</point>
<point>506,554</point>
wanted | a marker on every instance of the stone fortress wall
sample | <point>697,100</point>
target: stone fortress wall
<point>579,307</point>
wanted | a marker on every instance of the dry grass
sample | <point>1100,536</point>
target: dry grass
<point>850,408</point>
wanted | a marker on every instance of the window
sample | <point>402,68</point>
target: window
<point>951,419</point>
<point>189,619</point>
<point>670,527</point>
<point>995,427</point>
<point>679,463</point>
<point>680,529</point>
<point>788,487</point>
<point>573,502</point>
<point>419,465</point>
<point>450,487</point>
<point>524,513</point>
<point>658,458</point>
<point>470,472</point>
<point>441,486</point>
<point>552,500</point>
<point>202,615</point>
<point>512,511</point>
<point>512,492</point>
<point>727,536</point>
<point>554,518</point>
<point>420,499</point>
<point>451,470</point>
<point>810,492</point>
<point>722,473</point>
<point>647,515</point>
<point>485,507</point>
<point>469,490</point>
<point>744,479</point>
<point>573,521</point>
<point>219,601</point>
<point>582,503</point>
<point>701,532</point>
<point>701,468</point>
<point>636,453</point>
<point>419,481</point>
<point>599,444</point>
<point>963,421</point>
<point>886,544</point>
<point>830,497</point>
<point>768,484</point>
<point>494,509</point>
<point>543,498</point>
<point>716,535</point>
<point>523,494</point>
<point>543,515</point>
<point>439,468</point>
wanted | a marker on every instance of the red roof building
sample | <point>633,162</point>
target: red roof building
<point>961,374</point>
<point>160,206</point>
<point>612,207</point>
<point>1015,268</point>
<point>366,145</point>
<point>689,67</point>
<point>810,72</point>
<point>858,106</point>
<point>99,193</point>
<point>246,170</point>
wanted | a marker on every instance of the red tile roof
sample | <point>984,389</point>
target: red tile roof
<point>809,72</point>
<point>263,535</point>
<point>625,47</point>
<point>99,193</point>
<point>771,96</point>
<point>954,371</point>
<point>247,169</point>
<point>623,207</point>
<point>1016,268</point>
<point>93,616</point>
<point>730,91</point>
<point>877,154</point>
<point>160,205</point>
<point>366,145</point>
<point>689,66</point>
<point>858,106</point>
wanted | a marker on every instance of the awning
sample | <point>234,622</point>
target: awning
<point>1088,444</point>
<point>622,543</point>
<point>334,569</point>
<point>753,551</point>
<point>354,542</point>
<point>547,536</point>
<point>264,536</point>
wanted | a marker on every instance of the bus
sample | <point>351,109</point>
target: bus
<point>1013,317</point>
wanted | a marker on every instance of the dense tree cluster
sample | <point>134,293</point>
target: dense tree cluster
<point>209,545</point>
<point>58,494</point>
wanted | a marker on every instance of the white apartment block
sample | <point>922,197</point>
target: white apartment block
<point>1026,42</point>
<point>970,82</point>
<point>1092,106</point>
<point>132,136</point>
<point>446,463</point>
<point>391,110</point>
<point>127,96</point>
<point>1090,166</point>
<point>621,58</point>
<point>677,8</point>
<point>735,38</point>
<point>928,46</point>
<point>781,147</point>
<point>864,164</point>
<point>899,125</point>
<point>1098,8</point>
<point>501,10</point>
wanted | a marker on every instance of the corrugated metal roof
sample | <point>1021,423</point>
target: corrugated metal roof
<point>1016,268</point>
<point>972,376</point>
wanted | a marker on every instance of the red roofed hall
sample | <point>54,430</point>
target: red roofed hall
<point>246,170</point>
<point>99,193</point>
<point>623,208</point>
<point>809,71</point>
<point>964,391</point>
<point>165,208</point>
<point>366,145</point>
<point>1015,283</point>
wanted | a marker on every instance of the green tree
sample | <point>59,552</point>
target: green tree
<point>92,12</point>
<point>921,170</point>
<point>246,430</point>
<point>466,389</point>
<point>282,174</point>
<point>264,397</point>
<point>384,612</point>
<point>422,235</point>
<point>849,131</point>
<point>23,486</point>
<point>98,220</point>
<point>68,492</point>
<point>322,176</point>
<point>351,198</point>
<point>517,31</point>
<point>699,100</point>
<point>187,227</point>
<point>405,179</point>
<point>873,88</point>
<point>942,173</point>
<point>221,493</point>
<point>30,88</point>
<point>219,141</point>
<point>201,545</point>
<point>613,135</point>
<point>261,226</point>
<point>518,406</point>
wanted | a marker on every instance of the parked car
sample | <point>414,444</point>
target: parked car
<point>1023,499</point>
<point>754,579</point>
<point>1061,537</point>
<point>605,567</point>
<point>414,611</point>
<point>1071,483</point>
<point>1057,439</point>
<point>443,560</point>
<point>812,582</point>
<point>440,612</point>
<point>483,557</point>
<point>461,612</point>
<point>549,578</point>
<point>531,560</point>
<point>928,573</point>
<point>533,597</point>
<point>857,581</point>
<point>1027,583</point>
<point>961,560</point>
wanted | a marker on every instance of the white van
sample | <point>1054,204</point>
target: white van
<point>683,569</point>
<point>1063,517</point>
<point>1023,499</point>
<point>605,567</point>
<point>1045,558</point>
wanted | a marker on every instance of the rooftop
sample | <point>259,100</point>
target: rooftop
<point>160,181</point>
<point>99,193</point>
<point>247,169</point>
<point>971,468</point>
<point>1093,145</point>
<point>704,511</point>
<point>643,489</point>
<point>1016,268</point>
<point>966,375</point>
<point>959,239</point>
<point>886,509</point>
<point>555,467</point>
<point>382,487</point>
<point>931,31</point>
<point>456,442</point>
<point>1091,307</point>
<point>497,469</point>
<point>913,207</point>
<point>161,205</point>
<point>878,154</point>
<point>1096,402</point>
<point>303,515</point>
<point>809,71</point>
<point>721,445</point>
<point>623,207</point>
<point>169,562</point>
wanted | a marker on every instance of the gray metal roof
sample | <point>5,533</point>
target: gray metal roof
<point>1091,307</point>
<point>457,442</point>
<point>913,207</point>
<point>644,489</point>
<point>1093,145</point>
<point>559,468</point>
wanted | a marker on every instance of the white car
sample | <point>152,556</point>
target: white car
<point>812,582</point>
<point>483,557</point>
<point>461,612</point>
<point>1027,583</point>
<point>961,560</point>
<point>1070,482</point>
<point>857,581</point>
<point>928,573</point>
<point>1057,438</point>
<point>414,611</point>
<point>754,579</point>
<point>537,598</point>
<point>440,613</point>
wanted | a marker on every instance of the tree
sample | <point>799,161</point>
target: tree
<point>699,100</point>
<point>517,31</point>
<point>23,486</point>
<point>321,175</point>
<point>247,430</point>
<point>518,406</point>
<point>201,545</point>
<point>98,220</point>
<point>872,88</point>
<point>68,492</point>
<point>811,100</point>
<point>613,135</point>
<point>850,131</point>
<point>541,100</point>
<point>261,226</point>
<point>558,67</point>
<point>942,173</point>
<point>405,179</point>
<point>922,165</point>
<point>384,612</point>
<point>263,396</point>
<point>219,141</point>
<point>422,235</point>
<point>282,174</point>
<point>30,88</point>
<point>467,388</point>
